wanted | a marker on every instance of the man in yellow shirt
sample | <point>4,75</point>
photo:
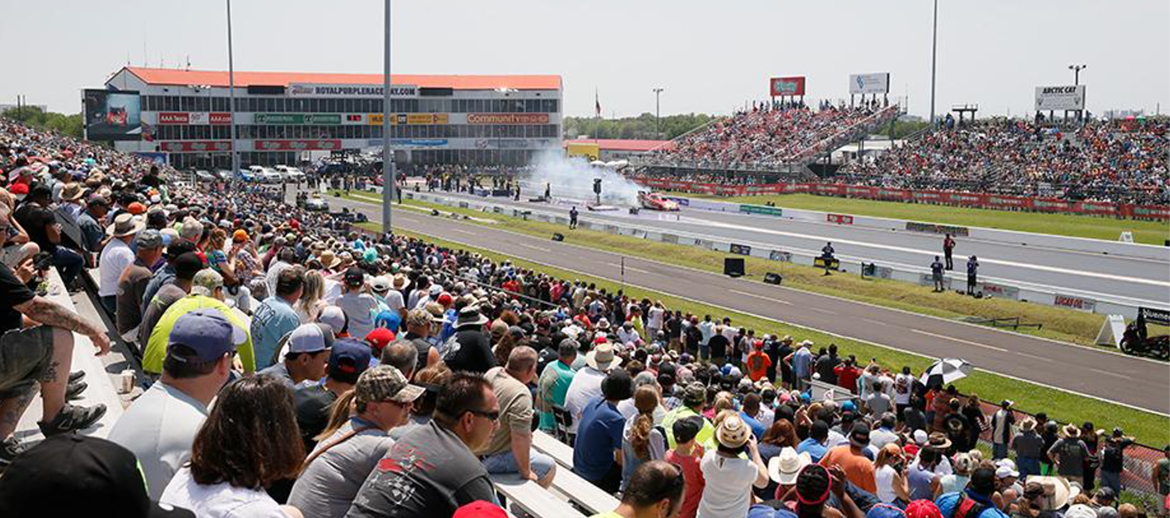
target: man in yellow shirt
<point>694,400</point>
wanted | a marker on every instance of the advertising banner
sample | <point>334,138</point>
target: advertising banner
<point>334,90</point>
<point>1058,98</point>
<point>298,145</point>
<point>999,291</point>
<point>878,83</point>
<point>196,146</point>
<point>297,118</point>
<point>740,249</point>
<point>219,118</point>
<point>111,115</point>
<point>931,228</point>
<point>1070,301</point>
<point>172,118</point>
<point>762,210</point>
<point>840,219</point>
<point>507,118</point>
<point>410,142</point>
<point>1155,315</point>
<point>787,86</point>
<point>399,119</point>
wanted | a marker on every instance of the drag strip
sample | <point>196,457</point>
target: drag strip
<point>1135,382</point>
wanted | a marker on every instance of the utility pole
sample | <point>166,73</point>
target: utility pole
<point>658,111</point>
<point>933,60</point>
<point>388,176</point>
<point>232,94</point>
<point>1077,73</point>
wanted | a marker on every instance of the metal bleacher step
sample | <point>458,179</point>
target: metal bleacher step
<point>532,499</point>
<point>578,490</point>
<point>101,385</point>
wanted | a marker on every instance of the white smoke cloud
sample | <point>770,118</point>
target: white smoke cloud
<point>571,179</point>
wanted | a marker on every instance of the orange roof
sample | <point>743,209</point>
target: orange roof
<point>167,76</point>
<point>624,144</point>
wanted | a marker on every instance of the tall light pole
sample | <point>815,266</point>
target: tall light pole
<point>658,111</point>
<point>388,176</point>
<point>933,60</point>
<point>232,94</point>
<point>1077,73</point>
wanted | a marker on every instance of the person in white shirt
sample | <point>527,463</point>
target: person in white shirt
<point>627,334</point>
<point>655,318</point>
<point>586,384</point>
<point>730,477</point>
<point>903,385</point>
<point>256,415</point>
<point>160,426</point>
<point>359,306</point>
<point>884,434</point>
<point>116,256</point>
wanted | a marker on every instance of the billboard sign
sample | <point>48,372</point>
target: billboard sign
<point>399,119</point>
<point>878,83</point>
<point>298,145</point>
<point>507,118</point>
<point>297,118</point>
<point>112,115</point>
<point>352,91</point>
<point>195,146</point>
<point>787,86</point>
<point>1056,98</point>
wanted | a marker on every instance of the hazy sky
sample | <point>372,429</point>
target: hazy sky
<point>709,56</point>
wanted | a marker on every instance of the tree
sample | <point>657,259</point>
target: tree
<point>70,125</point>
<point>642,127</point>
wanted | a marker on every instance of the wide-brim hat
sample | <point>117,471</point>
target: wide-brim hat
<point>1028,424</point>
<point>938,441</point>
<point>603,357</point>
<point>1070,431</point>
<point>400,281</point>
<point>470,316</point>
<point>73,192</point>
<point>126,225</point>
<point>784,468</point>
<point>1061,490</point>
<point>732,432</point>
<point>328,259</point>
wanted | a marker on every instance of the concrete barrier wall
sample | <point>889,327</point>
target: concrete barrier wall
<point>990,286</point>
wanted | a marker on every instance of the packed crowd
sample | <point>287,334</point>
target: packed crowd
<point>766,135</point>
<point>299,368</point>
<point>1111,161</point>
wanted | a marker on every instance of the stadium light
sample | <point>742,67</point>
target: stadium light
<point>232,94</point>
<point>933,60</point>
<point>658,111</point>
<point>388,173</point>
<point>1077,73</point>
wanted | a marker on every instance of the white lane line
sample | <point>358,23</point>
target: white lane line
<point>819,310</point>
<point>985,260</point>
<point>960,340</point>
<point>1108,373</point>
<point>462,231</point>
<point>534,247</point>
<point>876,322</point>
<point>630,268</point>
<point>761,297</point>
<point>1034,357</point>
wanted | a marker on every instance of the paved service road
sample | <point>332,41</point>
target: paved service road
<point>1068,272</point>
<point>1097,373</point>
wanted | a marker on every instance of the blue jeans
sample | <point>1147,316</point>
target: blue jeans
<point>69,262</point>
<point>538,463</point>
<point>1028,467</point>
<point>1111,481</point>
<point>999,451</point>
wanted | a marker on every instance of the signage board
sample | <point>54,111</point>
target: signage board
<point>507,118</point>
<point>787,86</point>
<point>112,115</point>
<point>878,83</point>
<point>341,90</point>
<point>1058,98</point>
<point>297,118</point>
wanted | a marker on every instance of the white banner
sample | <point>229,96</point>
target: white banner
<point>335,90</point>
<point>877,83</point>
<point>1059,98</point>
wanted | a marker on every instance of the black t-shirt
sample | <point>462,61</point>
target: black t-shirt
<point>718,344</point>
<point>674,327</point>
<point>312,404</point>
<point>471,351</point>
<point>34,218</point>
<point>12,293</point>
<point>825,365</point>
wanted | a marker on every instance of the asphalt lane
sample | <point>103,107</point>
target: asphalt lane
<point>1096,373</point>
<point>1071,273</point>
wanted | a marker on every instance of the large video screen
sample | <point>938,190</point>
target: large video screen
<point>112,115</point>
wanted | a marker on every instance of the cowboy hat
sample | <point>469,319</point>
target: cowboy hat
<point>126,225</point>
<point>1028,424</point>
<point>938,441</point>
<point>73,191</point>
<point>1057,490</point>
<point>602,357</point>
<point>329,260</point>
<point>401,282</point>
<point>784,468</point>
<point>1070,431</point>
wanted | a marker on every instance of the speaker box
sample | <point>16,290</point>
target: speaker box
<point>557,236</point>
<point>773,278</point>
<point>733,266</point>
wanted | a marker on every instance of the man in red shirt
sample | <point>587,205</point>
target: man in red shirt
<point>758,361</point>
<point>847,374</point>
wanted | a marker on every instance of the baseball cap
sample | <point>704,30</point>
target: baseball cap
<point>922,509</point>
<point>240,235</point>
<point>349,356</point>
<point>379,338</point>
<point>380,284</point>
<point>208,332</point>
<point>480,509</point>
<point>334,317</point>
<point>355,276</point>
<point>136,208</point>
<point>100,478</point>
<point>385,383</point>
<point>308,338</point>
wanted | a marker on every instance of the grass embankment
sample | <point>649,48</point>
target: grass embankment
<point>1065,407</point>
<point>1148,232</point>
<point>1059,324</point>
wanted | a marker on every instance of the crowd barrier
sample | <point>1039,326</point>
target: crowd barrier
<point>938,197</point>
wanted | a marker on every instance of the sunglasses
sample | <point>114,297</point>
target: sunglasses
<point>493,416</point>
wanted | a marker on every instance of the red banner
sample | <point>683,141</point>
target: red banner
<point>787,86</point>
<point>298,145</point>
<point>168,118</point>
<point>840,219</point>
<point>195,146</point>
<point>220,118</point>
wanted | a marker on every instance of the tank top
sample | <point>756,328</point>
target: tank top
<point>919,481</point>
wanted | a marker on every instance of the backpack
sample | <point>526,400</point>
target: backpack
<point>968,508</point>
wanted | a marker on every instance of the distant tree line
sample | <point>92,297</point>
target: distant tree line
<point>641,127</point>
<point>33,116</point>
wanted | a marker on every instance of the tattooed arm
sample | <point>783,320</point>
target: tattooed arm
<point>51,314</point>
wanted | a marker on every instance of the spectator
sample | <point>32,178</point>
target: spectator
<point>18,248</point>
<point>800,362</point>
<point>554,383</point>
<point>1068,454</point>
<point>152,357</point>
<point>694,402</point>
<point>35,217</point>
<point>464,421</point>
<point>115,257</point>
<point>132,284</point>
<point>160,425</point>
<point>418,328</point>
<point>1160,476</point>
<point>955,482</point>
<point>892,487</point>
<point>587,382</point>
<point>348,359</point>
<point>312,300</point>
<point>305,357</point>
<point>76,475</point>
<point>758,362</point>
<point>814,445</point>
<point>183,270</point>
<point>852,460</point>
<point>469,349</point>
<point>400,355</point>
<point>91,223</point>
<point>510,448</point>
<point>597,452</point>
<point>222,481</point>
<point>641,440</point>
<point>275,317</point>
<point>353,443</point>
<point>783,470</point>
<point>359,306</point>
<point>1028,446</point>
<point>729,478</point>
<point>884,434</point>
<point>655,489</point>
<point>980,490</point>
<point>1112,458</point>
<point>687,455</point>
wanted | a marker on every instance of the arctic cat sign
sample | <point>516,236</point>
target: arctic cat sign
<point>1059,98</point>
